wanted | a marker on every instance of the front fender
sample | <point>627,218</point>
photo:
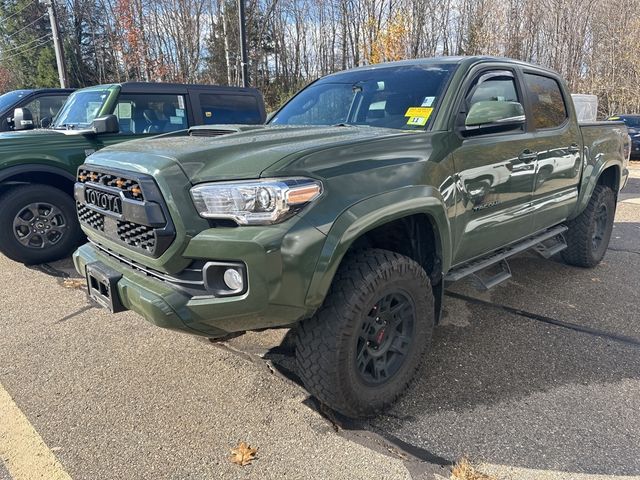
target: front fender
<point>369,214</point>
<point>14,170</point>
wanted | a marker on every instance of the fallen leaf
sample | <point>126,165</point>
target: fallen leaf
<point>464,470</point>
<point>74,283</point>
<point>243,454</point>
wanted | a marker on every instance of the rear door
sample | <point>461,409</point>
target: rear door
<point>496,171</point>
<point>558,143</point>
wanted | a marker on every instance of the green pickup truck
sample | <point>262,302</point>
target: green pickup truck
<point>346,215</point>
<point>38,167</point>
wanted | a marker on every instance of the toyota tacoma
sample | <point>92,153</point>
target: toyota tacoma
<point>346,215</point>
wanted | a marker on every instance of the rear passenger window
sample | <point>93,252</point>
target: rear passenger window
<point>549,109</point>
<point>223,108</point>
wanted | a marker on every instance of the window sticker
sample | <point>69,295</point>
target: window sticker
<point>181,102</point>
<point>418,121</point>
<point>428,101</point>
<point>175,120</point>
<point>419,112</point>
<point>124,110</point>
<point>179,112</point>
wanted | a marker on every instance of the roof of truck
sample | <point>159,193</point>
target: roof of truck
<point>451,60</point>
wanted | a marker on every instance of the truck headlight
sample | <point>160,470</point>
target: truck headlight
<point>255,202</point>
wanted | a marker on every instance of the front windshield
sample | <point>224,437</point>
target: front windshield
<point>81,108</point>
<point>401,97</point>
<point>10,98</point>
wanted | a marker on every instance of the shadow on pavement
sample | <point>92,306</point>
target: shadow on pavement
<point>509,387</point>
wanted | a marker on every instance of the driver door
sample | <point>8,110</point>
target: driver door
<point>495,167</point>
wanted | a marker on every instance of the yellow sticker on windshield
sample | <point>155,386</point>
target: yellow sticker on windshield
<point>419,121</point>
<point>423,112</point>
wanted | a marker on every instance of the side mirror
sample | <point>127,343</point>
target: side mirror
<point>45,122</point>
<point>22,119</point>
<point>106,124</point>
<point>495,114</point>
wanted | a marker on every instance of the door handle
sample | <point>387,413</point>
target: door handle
<point>573,148</point>
<point>528,156</point>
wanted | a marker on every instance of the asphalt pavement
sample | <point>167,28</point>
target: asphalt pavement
<point>538,378</point>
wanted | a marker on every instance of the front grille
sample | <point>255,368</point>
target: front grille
<point>135,235</point>
<point>124,207</point>
<point>130,187</point>
<point>93,219</point>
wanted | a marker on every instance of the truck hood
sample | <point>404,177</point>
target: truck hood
<point>245,153</point>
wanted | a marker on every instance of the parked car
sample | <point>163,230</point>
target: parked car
<point>38,168</point>
<point>348,212</point>
<point>42,103</point>
<point>633,124</point>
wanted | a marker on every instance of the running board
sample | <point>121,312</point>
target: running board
<point>547,244</point>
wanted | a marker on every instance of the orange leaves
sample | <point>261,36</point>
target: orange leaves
<point>243,454</point>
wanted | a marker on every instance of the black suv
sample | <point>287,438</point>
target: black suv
<point>633,125</point>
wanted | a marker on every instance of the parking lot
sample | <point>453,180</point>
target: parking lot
<point>538,378</point>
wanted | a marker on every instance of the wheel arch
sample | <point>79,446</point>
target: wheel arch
<point>605,173</point>
<point>35,173</point>
<point>411,221</point>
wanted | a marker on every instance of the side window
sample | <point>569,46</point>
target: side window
<point>152,114</point>
<point>45,107</point>
<point>547,103</point>
<point>495,89</point>
<point>493,102</point>
<point>220,108</point>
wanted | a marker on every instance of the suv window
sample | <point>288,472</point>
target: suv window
<point>547,103</point>
<point>224,108</point>
<point>148,113</point>
<point>46,106</point>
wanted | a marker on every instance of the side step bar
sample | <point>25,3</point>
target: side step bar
<point>547,244</point>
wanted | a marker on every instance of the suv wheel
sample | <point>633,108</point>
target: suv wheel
<point>38,223</point>
<point>589,233</point>
<point>363,347</point>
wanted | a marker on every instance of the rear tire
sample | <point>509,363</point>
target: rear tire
<point>589,233</point>
<point>360,351</point>
<point>38,223</point>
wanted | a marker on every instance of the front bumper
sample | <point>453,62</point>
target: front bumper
<point>168,306</point>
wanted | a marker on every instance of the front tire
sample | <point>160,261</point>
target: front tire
<point>360,351</point>
<point>589,233</point>
<point>38,224</point>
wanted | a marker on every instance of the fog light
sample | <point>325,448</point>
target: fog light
<point>233,279</point>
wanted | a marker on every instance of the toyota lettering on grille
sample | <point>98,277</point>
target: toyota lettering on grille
<point>104,201</point>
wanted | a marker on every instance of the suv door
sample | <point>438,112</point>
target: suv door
<point>557,143</point>
<point>495,167</point>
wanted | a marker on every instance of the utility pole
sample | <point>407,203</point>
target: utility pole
<point>57,43</point>
<point>244,61</point>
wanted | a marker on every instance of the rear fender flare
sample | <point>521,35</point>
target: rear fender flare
<point>592,174</point>
<point>369,214</point>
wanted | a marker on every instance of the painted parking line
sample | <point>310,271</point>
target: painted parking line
<point>22,450</point>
